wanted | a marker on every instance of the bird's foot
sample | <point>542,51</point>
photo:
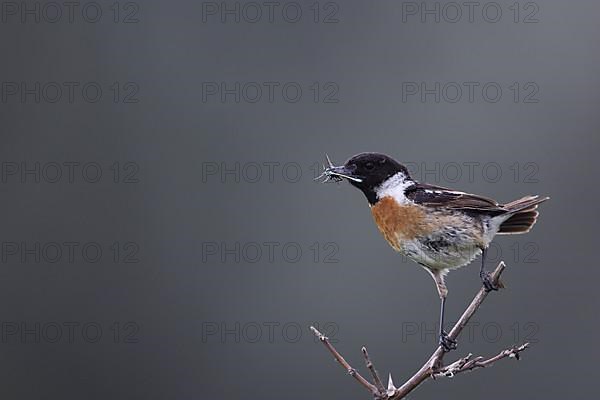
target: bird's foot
<point>446,342</point>
<point>488,282</point>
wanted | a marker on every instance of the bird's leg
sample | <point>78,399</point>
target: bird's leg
<point>445,341</point>
<point>485,276</point>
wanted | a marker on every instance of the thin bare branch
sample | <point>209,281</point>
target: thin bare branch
<point>435,361</point>
<point>374,374</point>
<point>468,364</point>
<point>351,371</point>
<point>433,367</point>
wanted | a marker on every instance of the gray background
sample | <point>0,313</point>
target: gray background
<point>177,292</point>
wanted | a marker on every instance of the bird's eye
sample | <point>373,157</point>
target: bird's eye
<point>369,165</point>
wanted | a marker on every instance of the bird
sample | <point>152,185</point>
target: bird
<point>440,229</point>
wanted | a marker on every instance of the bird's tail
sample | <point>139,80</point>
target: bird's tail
<point>523,215</point>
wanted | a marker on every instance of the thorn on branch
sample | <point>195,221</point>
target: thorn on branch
<point>391,388</point>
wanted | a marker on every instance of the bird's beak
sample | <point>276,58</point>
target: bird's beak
<point>342,172</point>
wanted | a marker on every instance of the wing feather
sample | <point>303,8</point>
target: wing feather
<point>438,196</point>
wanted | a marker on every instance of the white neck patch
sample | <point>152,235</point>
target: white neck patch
<point>394,187</point>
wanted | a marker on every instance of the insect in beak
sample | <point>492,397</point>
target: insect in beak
<point>336,174</point>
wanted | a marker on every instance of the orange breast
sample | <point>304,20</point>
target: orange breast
<point>399,222</point>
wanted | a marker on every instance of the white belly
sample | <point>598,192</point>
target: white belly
<point>450,257</point>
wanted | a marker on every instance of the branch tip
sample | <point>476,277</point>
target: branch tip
<point>318,334</point>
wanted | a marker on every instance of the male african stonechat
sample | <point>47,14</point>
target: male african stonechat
<point>439,228</point>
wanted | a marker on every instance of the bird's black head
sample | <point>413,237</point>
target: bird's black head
<point>367,171</point>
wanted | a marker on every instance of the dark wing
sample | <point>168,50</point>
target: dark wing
<point>437,196</point>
